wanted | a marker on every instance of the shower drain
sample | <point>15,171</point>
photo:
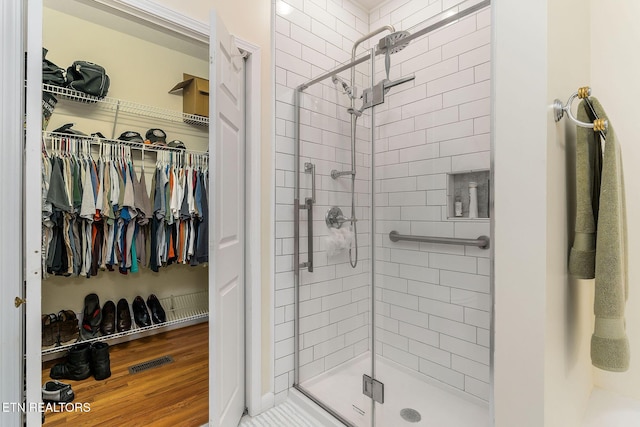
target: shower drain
<point>410,415</point>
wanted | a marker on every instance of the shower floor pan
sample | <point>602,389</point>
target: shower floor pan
<point>438,407</point>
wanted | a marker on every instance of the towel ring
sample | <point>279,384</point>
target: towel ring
<point>598,125</point>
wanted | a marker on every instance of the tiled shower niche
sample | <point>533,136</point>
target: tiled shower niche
<point>458,190</point>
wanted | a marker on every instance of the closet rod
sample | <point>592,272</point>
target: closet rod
<point>598,124</point>
<point>135,145</point>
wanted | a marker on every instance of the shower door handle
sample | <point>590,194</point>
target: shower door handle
<point>308,205</point>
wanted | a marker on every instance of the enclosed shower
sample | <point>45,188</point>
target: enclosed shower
<point>390,302</point>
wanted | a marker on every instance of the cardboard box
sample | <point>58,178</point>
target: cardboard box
<point>195,95</point>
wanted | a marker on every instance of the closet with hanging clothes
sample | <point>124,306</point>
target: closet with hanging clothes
<point>125,213</point>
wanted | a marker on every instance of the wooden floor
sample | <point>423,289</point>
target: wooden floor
<point>171,395</point>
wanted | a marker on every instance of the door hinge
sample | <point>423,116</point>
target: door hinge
<point>373,388</point>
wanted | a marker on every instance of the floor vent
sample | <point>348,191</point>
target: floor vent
<point>150,364</point>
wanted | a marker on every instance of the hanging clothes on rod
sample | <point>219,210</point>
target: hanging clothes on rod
<point>98,215</point>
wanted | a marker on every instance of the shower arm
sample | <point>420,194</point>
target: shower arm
<point>389,28</point>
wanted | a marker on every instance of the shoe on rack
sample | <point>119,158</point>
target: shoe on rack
<point>100,363</point>
<point>123,316</point>
<point>77,366</point>
<point>68,322</point>
<point>108,325</point>
<point>157,312</point>
<point>55,391</point>
<point>91,317</point>
<point>140,312</point>
<point>50,330</point>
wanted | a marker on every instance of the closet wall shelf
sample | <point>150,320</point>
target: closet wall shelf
<point>181,310</point>
<point>120,105</point>
<point>94,140</point>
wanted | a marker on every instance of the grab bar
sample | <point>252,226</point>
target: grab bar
<point>482,242</point>
<point>308,205</point>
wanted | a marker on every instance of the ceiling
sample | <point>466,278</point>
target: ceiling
<point>370,4</point>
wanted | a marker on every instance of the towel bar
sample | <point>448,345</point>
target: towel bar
<point>482,242</point>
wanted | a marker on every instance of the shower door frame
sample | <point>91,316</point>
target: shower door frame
<point>297,265</point>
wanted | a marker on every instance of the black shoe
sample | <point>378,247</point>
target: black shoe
<point>55,391</point>
<point>91,318</point>
<point>100,363</point>
<point>157,312</point>
<point>76,367</point>
<point>108,324</point>
<point>140,313</point>
<point>123,315</point>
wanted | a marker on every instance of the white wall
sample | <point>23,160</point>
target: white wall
<point>614,75</point>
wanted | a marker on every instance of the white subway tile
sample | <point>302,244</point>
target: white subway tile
<point>409,316</point>
<point>308,38</point>
<point>319,14</point>
<point>387,323</point>
<point>284,364</point>
<point>470,144</point>
<point>484,18</point>
<point>283,331</point>
<point>441,309</point>
<point>470,368</point>
<point>430,353</point>
<point>452,262</point>
<point>421,213</point>
<point>450,82</point>
<point>397,128</point>
<point>450,131</point>
<point>284,263</point>
<point>320,274</point>
<point>324,286</point>
<point>453,328</point>
<point>357,335</point>
<point>313,322</point>
<point>470,110</point>
<point>278,316</point>
<point>414,272</point>
<point>402,357</point>
<point>428,228</point>
<point>437,197</point>
<point>484,337</point>
<point>282,26</point>
<point>477,56</point>
<point>465,349</point>
<point>310,307</point>
<point>470,162</point>
<point>467,43</point>
<point>400,299</point>
<point>388,116</point>
<point>298,17</point>
<point>466,94</point>
<point>432,182</point>
<point>288,45</point>
<point>422,105</point>
<point>484,266</point>
<point>420,62</point>
<point>311,370</point>
<point>284,110</point>
<point>452,32</point>
<point>327,347</point>
<point>360,293</point>
<point>429,290</point>
<point>437,118</point>
<point>409,139</point>
<point>350,33</point>
<point>407,200</point>
<point>480,301</point>
<point>336,300</point>
<point>479,318</point>
<point>392,171</point>
<point>327,33</point>
<point>471,282</point>
<point>418,333</point>
<point>356,10</point>
<point>341,356</point>
<point>284,348</point>
<point>344,312</point>
<point>482,72</point>
<point>399,184</point>
<point>482,125</point>
<point>430,166</point>
<point>472,228</point>
<point>439,372</point>
<point>293,63</point>
<point>342,14</point>
<point>477,388</point>
<point>393,283</point>
<point>281,383</point>
<point>319,335</point>
<point>352,323</point>
<point>289,312</point>
<point>410,21</point>
<point>284,229</point>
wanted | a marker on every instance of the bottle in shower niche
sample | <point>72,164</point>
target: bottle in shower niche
<point>473,200</point>
<point>457,207</point>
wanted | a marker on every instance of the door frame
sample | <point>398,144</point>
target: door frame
<point>198,30</point>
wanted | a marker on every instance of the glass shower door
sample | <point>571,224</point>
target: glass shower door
<point>333,286</point>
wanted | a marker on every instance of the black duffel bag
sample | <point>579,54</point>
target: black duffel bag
<point>89,78</point>
<point>51,73</point>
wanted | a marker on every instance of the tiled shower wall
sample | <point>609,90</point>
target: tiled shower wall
<point>312,37</point>
<point>433,301</point>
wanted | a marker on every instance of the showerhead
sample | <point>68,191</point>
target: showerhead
<point>393,42</point>
<point>345,87</point>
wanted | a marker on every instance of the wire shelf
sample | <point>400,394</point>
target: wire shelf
<point>188,308</point>
<point>120,105</point>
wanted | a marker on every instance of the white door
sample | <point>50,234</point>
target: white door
<point>226,229</point>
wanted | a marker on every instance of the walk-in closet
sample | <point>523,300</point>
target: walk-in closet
<point>135,214</point>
